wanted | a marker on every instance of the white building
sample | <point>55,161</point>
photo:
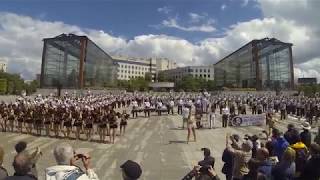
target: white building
<point>165,64</point>
<point>128,67</point>
<point>3,67</point>
<point>205,72</point>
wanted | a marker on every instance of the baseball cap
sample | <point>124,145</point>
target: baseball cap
<point>131,169</point>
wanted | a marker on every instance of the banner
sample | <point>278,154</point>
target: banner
<point>249,120</point>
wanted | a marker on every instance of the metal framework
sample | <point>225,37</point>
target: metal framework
<point>256,50</point>
<point>69,60</point>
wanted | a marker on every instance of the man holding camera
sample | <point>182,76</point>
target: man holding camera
<point>205,168</point>
<point>66,159</point>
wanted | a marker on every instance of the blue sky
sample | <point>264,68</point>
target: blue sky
<point>129,18</point>
<point>190,32</point>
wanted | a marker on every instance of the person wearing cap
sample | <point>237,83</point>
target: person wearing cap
<point>285,169</point>
<point>305,135</point>
<point>240,158</point>
<point>131,170</point>
<point>301,156</point>
<point>208,159</point>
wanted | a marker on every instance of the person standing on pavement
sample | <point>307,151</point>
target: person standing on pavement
<point>225,116</point>
<point>185,115</point>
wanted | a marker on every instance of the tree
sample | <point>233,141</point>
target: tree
<point>162,77</point>
<point>148,77</point>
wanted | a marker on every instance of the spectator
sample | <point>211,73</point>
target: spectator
<point>317,138</point>
<point>305,134</point>
<point>285,169</point>
<point>21,147</point>
<point>131,170</point>
<point>22,166</point>
<point>3,171</point>
<point>273,159</point>
<point>266,164</point>
<point>312,168</point>
<point>208,159</point>
<point>292,134</point>
<point>227,166</point>
<point>65,168</point>
<point>241,159</point>
<point>252,166</point>
<point>279,143</point>
<point>301,156</point>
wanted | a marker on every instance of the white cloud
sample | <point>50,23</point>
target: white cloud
<point>194,17</point>
<point>172,23</point>
<point>223,7</point>
<point>165,9</point>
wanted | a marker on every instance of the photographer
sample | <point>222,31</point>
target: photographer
<point>205,168</point>
<point>66,159</point>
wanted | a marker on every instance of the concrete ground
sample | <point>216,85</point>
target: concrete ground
<point>157,143</point>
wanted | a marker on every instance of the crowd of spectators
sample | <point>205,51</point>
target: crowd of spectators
<point>66,168</point>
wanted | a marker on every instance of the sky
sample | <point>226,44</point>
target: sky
<point>190,32</point>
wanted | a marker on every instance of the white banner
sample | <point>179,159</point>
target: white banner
<point>249,120</point>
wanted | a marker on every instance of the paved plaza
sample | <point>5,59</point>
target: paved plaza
<point>157,143</point>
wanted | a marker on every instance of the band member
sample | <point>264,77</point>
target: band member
<point>198,115</point>
<point>134,108</point>
<point>78,122</point>
<point>11,119</point>
<point>89,126</point>
<point>57,123</point>
<point>29,121</point>
<point>113,123</point>
<point>67,123</point>
<point>146,108</point>
<point>48,121</point>
<point>20,120</point>
<point>123,122</point>
<point>38,121</point>
<point>102,127</point>
<point>225,116</point>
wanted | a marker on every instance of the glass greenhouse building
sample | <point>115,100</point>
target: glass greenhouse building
<point>264,64</point>
<point>72,61</point>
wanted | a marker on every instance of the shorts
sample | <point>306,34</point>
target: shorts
<point>185,119</point>
<point>103,126</point>
<point>89,126</point>
<point>78,124</point>
<point>113,126</point>
<point>124,123</point>
<point>67,124</point>
<point>191,124</point>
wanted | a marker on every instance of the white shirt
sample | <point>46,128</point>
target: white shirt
<point>225,111</point>
<point>147,104</point>
<point>134,104</point>
<point>185,112</point>
<point>171,103</point>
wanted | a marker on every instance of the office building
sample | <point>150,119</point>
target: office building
<point>72,61</point>
<point>129,67</point>
<point>262,64</point>
<point>3,67</point>
<point>205,72</point>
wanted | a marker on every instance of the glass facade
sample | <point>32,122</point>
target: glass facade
<point>261,64</point>
<point>72,61</point>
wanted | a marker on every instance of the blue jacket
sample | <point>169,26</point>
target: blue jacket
<point>279,146</point>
